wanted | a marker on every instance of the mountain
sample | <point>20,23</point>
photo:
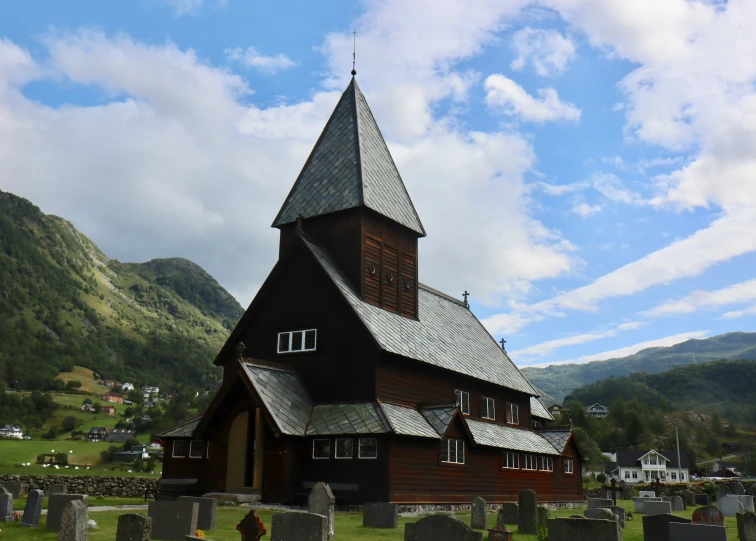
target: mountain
<point>64,303</point>
<point>557,381</point>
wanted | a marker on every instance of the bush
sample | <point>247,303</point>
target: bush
<point>61,458</point>
<point>51,434</point>
<point>69,423</point>
<point>87,401</point>
<point>601,478</point>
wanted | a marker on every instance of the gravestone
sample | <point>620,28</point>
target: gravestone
<point>299,527</point>
<point>647,494</point>
<point>677,503</point>
<point>133,527</point>
<point>620,514</point>
<point>511,510</point>
<point>499,534</point>
<point>738,489</point>
<point>55,505</point>
<point>747,502</point>
<point>689,497</point>
<point>627,492</point>
<point>526,519</point>
<point>173,520</point>
<point>602,513</point>
<point>656,508</point>
<point>719,494</point>
<point>73,522</point>
<point>380,515</point>
<point>696,532</point>
<point>578,529</point>
<point>542,515</point>
<point>746,526</point>
<point>708,515</point>
<point>206,514</point>
<point>33,509</point>
<point>440,528</point>
<point>702,499</point>
<point>595,503</point>
<point>251,527</point>
<point>478,516</point>
<point>6,508</point>
<point>58,488</point>
<point>321,502</point>
<point>656,527</point>
<point>731,505</point>
<point>17,488</point>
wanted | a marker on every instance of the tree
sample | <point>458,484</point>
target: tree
<point>97,408</point>
<point>73,385</point>
<point>87,401</point>
<point>69,423</point>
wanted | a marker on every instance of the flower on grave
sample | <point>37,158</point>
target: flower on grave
<point>16,516</point>
<point>200,534</point>
<point>91,525</point>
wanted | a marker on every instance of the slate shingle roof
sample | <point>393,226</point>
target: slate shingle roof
<point>334,419</point>
<point>537,409</point>
<point>557,438</point>
<point>439,418</point>
<point>350,166</point>
<point>505,437</point>
<point>184,430</point>
<point>408,422</point>
<point>468,350</point>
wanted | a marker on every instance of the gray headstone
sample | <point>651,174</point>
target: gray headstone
<point>526,519</point>
<point>33,509</point>
<point>511,512</point>
<point>702,499</point>
<point>583,529</point>
<point>55,505</point>
<point>542,515</point>
<point>6,508</point>
<point>689,497</point>
<point>708,515</point>
<point>478,516</point>
<point>619,512</point>
<point>656,508</point>
<point>738,489</point>
<point>696,532</point>
<point>747,502</point>
<point>133,527</point>
<point>731,505</point>
<point>677,503</point>
<point>656,527</point>
<point>73,522</point>
<point>719,494</point>
<point>599,513</point>
<point>299,527</point>
<point>4,490</point>
<point>746,526</point>
<point>440,528</point>
<point>206,514</point>
<point>173,520</point>
<point>322,502</point>
<point>57,488</point>
<point>627,493</point>
<point>595,503</point>
<point>647,494</point>
<point>380,515</point>
<point>16,488</point>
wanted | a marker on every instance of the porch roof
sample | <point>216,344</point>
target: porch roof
<point>505,437</point>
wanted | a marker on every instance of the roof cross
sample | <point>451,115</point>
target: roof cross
<point>502,342</point>
<point>465,295</point>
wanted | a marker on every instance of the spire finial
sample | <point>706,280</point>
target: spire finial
<point>465,295</point>
<point>503,342</point>
<point>354,52</point>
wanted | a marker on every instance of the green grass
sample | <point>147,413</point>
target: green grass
<point>348,526</point>
<point>19,503</point>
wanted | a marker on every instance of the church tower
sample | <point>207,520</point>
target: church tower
<point>350,199</point>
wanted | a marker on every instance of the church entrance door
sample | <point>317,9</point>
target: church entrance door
<point>236,464</point>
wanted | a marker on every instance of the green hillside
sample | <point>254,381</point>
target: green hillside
<point>64,303</point>
<point>557,381</point>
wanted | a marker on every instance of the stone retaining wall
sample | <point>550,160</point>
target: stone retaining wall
<point>93,485</point>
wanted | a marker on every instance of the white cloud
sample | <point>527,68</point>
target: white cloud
<point>252,58</point>
<point>739,313</point>
<point>630,350</point>
<point>584,210</point>
<point>612,188</point>
<point>187,7</point>
<point>509,97</point>
<point>740,293</point>
<point>561,189</point>
<point>548,51</point>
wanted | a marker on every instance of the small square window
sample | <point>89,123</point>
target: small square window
<point>292,341</point>
<point>453,451</point>
<point>179,449</point>
<point>489,411</point>
<point>511,461</point>
<point>321,449</point>
<point>547,463</point>
<point>195,448</point>
<point>529,462</point>
<point>627,474</point>
<point>635,475</point>
<point>344,447</point>
<point>463,401</point>
<point>368,448</point>
<point>569,465</point>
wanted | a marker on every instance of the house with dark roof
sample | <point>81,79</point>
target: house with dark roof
<point>97,433</point>
<point>597,411</point>
<point>644,466</point>
<point>346,369</point>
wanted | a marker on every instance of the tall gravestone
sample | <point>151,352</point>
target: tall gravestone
<point>33,509</point>
<point>696,532</point>
<point>708,515</point>
<point>173,520</point>
<point>511,514</point>
<point>731,505</point>
<point>6,508</point>
<point>322,502</point>
<point>583,529</point>
<point>251,527</point>
<point>656,527</point>
<point>746,526</point>
<point>55,505</point>
<point>542,515</point>
<point>133,527</point>
<point>299,527</point>
<point>702,499</point>
<point>689,497</point>
<point>440,528</point>
<point>620,514</point>
<point>16,488</point>
<point>73,522</point>
<point>738,489</point>
<point>478,515</point>
<point>206,514</point>
<point>380,515</point>
<point>527,517</point>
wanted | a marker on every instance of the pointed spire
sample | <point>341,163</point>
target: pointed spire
<point>350,166</point>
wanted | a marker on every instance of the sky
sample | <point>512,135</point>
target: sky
<point>586,169</point>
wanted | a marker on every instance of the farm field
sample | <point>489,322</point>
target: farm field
<point>88,382</point>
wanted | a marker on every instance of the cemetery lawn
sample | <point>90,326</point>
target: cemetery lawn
<point>19,503</point>
<point>348,526</point>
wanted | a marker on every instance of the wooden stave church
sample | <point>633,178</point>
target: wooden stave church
<point>402,371</point>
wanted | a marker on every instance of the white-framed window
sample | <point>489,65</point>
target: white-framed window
<point>635,475</point>
<point>682,476</point>
<point>179,449</point>
<point>513,414</point>
<point>294,341</point>
<point>648,476</point>
<point>321,449</point>
<point>536,424</point>
<point>463,401</point>
<point>489,408</point>
<point>547,463</point>
<point>195,448</point>
<point>453,451</point>
<point>674,475</point>
<point>627,475</point>
<point>569,466</point>
<point>663,475</point>
<point>653,459</point>
<point>344,447</point>
<point>367,448</point>
<point>510,461</point>
<point>529,462</point>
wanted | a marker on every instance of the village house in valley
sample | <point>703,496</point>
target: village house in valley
<point>345,369</point>
<point>645,466</point>
<point>597,411</point>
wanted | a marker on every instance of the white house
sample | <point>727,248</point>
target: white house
<point>127,387</point>
<point>597,411</point>
<point>645,466</point>
<point>12,431</point>
<point>150,390</point>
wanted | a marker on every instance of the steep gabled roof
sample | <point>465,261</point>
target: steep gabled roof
<point>557,438</point>
<point>631,458</point>
<point>506,437</point>
<point>408,421</point>
<point>439,418</point>
<point>350,166</point>
<point>537,409</point>
<point>335,419</point>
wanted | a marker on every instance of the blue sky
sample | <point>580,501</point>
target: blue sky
<point>586,169</point>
